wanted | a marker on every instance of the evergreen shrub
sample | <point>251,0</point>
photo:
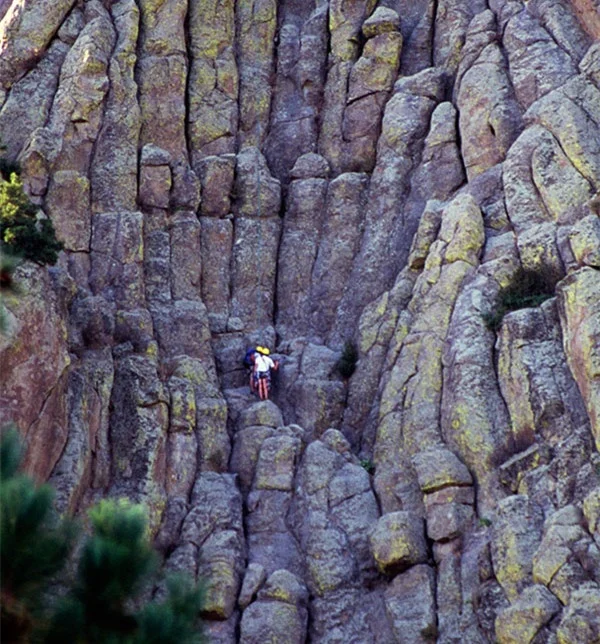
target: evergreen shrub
<point>528,288</point>
<point>347,362</point>
<point>115,563</point>
<point>21,233</point>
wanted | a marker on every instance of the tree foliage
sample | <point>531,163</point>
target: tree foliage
<point>21,232</point>
<point>528,288</point>
<point>347,362</point>
<point>115,563</point>
<point>33,543</point>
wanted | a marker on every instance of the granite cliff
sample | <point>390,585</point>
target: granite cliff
<point>303,174</point>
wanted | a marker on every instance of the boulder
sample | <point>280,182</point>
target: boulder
<point>398,541</point>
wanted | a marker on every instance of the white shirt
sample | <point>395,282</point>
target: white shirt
<point>263,363</point>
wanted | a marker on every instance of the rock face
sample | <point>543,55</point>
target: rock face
<point>311,176</point>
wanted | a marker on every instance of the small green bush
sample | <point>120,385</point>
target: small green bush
<point>347,362</point>
<point>21,233</point>
<point>8,167</point>
<point>528,289</point>
<point>368,465</point>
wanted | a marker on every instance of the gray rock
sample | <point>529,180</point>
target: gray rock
<point>310,166</point>
<point>254,578</point>
<point>516,535</point>
<point>275,466</point>
<point>522,621</point>
<point>329,567</point>
<point>284,586</point>
<point>398,541</point>
<point>382,20</point>
<point>439,468</point>
<point>584,239</point>
<point>262,413</point>
<point>153,155</point>
<point>410,605</point>
<point>273,621</point>
<point>216,178</point>
<point>580,621</point>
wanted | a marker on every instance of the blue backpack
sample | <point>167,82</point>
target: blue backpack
<point>249,358</point>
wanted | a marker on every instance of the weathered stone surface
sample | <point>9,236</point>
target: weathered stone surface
<point>68,205</point>
<point>254,578</point>
<point>185,194</point>
<point>117,252</point>
<point>580,622</point>
<point>302,51</point>
<point>186,267</point>
<point>258,194</point>
<point>294,194</point>
<point>410,605</point>
<point>517,533</point>
<point>591,509</point>
<point>384,247</point>
<point>526,41</point>
<point>88,398</point>
<point>369,84</point>
<point>140,417</point>
<point>211,423</point>
<point>257,23</point>
<point>214,525</point>
<point>328,567</point>
<point>262,413</point>
<point>298,251</point>
<point>34,382</point>
<point>216,178</point>
<point>566,556</point>
<point>474,419</point>
<point>409,413</point>
<point>522,621</point>
<point>181,463</point>
<point>27,29</point>
<point>254,269</point>
<point>572,103</point>
<point>580,315</point>
<point>310,166</point>
<point>275,467</point>
<point>30,99</point>
<point>215,251</point>
<point>441,171</point>
<point>489,117</point>
<point>440,468</point>
<point>273,621</point>
<point>383,20</point>
<point>155,184</point>
<point>339,243</point>
<point>213,86</point>
<point>448,521</point>
<point>541,395</point>
<point>398,541</point>
<point>584,239</point>
<point>114,169</point>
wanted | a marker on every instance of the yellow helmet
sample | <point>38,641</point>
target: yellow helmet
<point>266,352</point>
<point>259,349</point>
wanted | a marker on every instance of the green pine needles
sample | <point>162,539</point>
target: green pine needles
<point>528,288</point>
<point>22,234</point>
<point>33,543</point>
<point>347,362</point>
<point>115,563</point>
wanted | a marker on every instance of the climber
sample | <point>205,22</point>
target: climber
<point>263,365</point>
<point>249,360</point>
